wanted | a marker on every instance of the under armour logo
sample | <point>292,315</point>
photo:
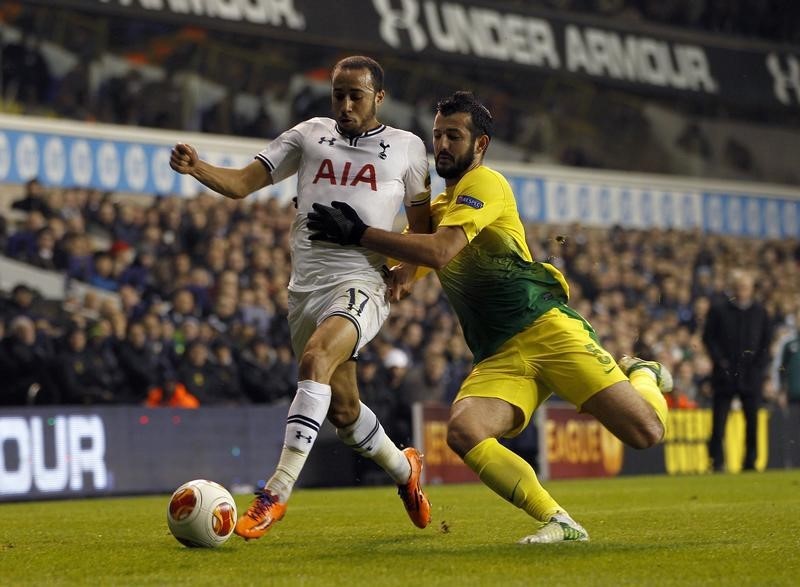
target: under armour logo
<point>406,17</point>
<point>299,435</point>
<point>330,141</point>
<point>383,146</point>
<point>785,81</point>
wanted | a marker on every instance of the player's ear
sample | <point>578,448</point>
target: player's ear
<point>379,96</point>
<point>482,144</point>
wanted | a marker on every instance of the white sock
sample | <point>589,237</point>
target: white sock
<point>306,414</point>
<point>367,437</point>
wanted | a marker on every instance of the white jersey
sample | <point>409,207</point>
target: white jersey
<point>374,173</point>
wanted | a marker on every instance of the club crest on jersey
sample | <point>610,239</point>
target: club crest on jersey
<point>329,140</point>
<point>347,176</point>
<point>470,201</point>
<point>383,146</point>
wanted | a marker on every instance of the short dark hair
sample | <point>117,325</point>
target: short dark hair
<point>482,122</point>
<point>362,62</point>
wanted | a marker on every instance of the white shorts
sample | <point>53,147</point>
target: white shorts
<point>363,303</point>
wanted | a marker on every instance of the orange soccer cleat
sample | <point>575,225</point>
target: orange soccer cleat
<point>260,516</point>
<point>417,505</point>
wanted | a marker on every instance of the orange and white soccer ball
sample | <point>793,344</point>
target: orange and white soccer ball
<point>201,513</point>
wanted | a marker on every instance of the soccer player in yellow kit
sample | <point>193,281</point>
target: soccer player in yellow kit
<point>526,341</point>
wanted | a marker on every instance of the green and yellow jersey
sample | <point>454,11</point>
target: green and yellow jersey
<point>493,284</point>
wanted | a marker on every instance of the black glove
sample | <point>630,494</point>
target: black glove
<point>337,223</point>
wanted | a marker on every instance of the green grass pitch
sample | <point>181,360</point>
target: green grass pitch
<point>695,530</point>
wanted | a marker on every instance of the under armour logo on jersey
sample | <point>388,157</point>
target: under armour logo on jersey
<point>383,146</point>
<point>299,435</point>
<point>330,141</point>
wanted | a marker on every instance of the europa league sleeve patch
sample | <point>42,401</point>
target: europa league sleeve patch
<point>470,201</point>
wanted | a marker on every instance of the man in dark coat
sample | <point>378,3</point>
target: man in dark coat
<point>24,364</point>
<point>737,335</point>
<point>138,363</point>
<point>84,377</point>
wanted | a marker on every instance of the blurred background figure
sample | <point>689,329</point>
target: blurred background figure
<point>737,335</point>
<point>24,364</point>
<point>83,377</point>
<point>138,364</point>
<point>789,370</point>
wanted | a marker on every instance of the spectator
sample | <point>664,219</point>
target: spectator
<point>183,307</point>
<point>140,273</point>
<point>395,366</point>
<point>255,310</point>
<point>34,199</point>
<point>22,243</point>
<point>82,376</point>
<point>122,254</point>
<point>138,364</point>
<point>100,222</point>
<point>72,97</point>
<point>102,275</point>
<point>256,365</point>
<point>23,364</point>
<point>80,260</point>
<point>229,387</point>
<point>26,75</point>
<point>43,254</point>
<point>119,94</point>
<point>126,227</point>
<point>789,373</point>
<point>197,374</point>
<point>284,372</point>
<point>426,381</point>
<point>226,318</point>
<point>21,303</point>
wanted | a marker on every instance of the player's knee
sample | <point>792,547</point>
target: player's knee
<point>460,438</point>
<point>647,434</point>
<point>315,364</point>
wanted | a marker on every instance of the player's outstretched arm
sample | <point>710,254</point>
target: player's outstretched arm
<point>429,250</point>
<point>339,223</point>
<point>231,183</point>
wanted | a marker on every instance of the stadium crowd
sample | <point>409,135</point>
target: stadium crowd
<point>197,311</point>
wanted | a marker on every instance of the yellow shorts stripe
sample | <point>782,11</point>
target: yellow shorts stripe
<point>558,354</point>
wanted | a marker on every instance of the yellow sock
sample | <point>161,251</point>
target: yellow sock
<point>644,382</point>
<point>512,478</point>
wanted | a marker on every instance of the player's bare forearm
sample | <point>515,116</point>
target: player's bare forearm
<point>431,250</point>
<point>232,183</point>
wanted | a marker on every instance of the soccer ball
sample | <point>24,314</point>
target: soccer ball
<point>201,513</point>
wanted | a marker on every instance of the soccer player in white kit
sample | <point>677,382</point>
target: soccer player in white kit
<point>337,295</point>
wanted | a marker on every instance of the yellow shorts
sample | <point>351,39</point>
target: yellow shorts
<point>559,353</point>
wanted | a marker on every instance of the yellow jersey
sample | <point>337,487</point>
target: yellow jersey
<point>494,285</point>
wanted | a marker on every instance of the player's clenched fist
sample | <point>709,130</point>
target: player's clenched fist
<point>183,158</point>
